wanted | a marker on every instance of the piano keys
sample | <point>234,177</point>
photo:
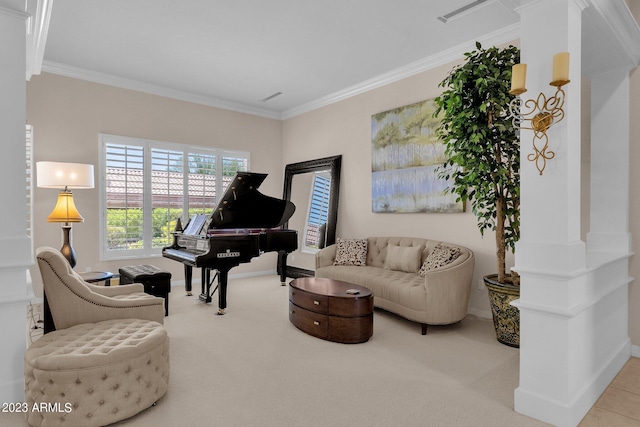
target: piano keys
<point>242,226</point>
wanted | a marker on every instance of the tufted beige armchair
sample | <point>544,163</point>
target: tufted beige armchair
<point>72,301</point>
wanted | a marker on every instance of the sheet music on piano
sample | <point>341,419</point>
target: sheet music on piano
<point>196,227</point>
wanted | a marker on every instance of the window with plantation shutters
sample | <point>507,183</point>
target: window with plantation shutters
<point>167,193</point>
<point>318,212</point>
<point>124,196</point>
<point>147,185</point>
<point>202,183</point>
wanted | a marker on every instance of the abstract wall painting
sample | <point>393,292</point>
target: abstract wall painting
<point>405,156</point>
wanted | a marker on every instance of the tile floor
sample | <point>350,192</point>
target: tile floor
<point>619,405</point>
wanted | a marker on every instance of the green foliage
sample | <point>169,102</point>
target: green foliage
<point>125,227</point>
<point>201,164</point>
<point>481,142</point>
<point>231,166</point>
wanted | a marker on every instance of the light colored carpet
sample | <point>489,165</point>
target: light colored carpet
<point>252,367</point>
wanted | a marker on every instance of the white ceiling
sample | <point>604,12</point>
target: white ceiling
<point>235,53</point>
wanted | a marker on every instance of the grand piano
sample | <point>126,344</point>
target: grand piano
<point>242,226</point>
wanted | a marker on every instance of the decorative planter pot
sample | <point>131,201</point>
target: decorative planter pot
<point>506,318</point>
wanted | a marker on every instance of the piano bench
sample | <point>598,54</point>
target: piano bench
<point>156,282</point>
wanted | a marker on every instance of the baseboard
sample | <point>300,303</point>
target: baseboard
<point>484,314</point>
<point>196,277</point>
<point>635,351</point>
<point>569,414</point>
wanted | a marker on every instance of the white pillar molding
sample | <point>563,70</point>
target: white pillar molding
<point>15,245</point>
<point>550,206</point>
<point>37,30</point>
<point>610,121</point>
<point>574,296</point>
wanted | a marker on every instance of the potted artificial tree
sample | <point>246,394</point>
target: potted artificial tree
<point>483,149</point>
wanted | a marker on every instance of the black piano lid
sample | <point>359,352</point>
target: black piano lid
<point>243,206</point>
<point>244,181</point>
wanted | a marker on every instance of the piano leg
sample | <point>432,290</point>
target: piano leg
<point>188,271</point>
<point>282,264</point>
<point>204,280</point>
<point>223,275</point>
<point>205,294</point>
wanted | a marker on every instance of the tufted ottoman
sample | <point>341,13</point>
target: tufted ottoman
<point>95,374</point>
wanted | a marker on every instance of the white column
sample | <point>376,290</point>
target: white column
<point>550,256</point>
<point>15,247</point>
<point>550,208</point>
<point>573,304</point>
<point>610,122</point>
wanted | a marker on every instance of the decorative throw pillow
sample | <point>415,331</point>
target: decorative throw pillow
<point>440,255</point>
<point>403,258</point>
<point>351,252</point>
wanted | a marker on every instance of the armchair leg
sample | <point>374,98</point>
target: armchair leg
<point>49,326</point>
<point>424,328</point>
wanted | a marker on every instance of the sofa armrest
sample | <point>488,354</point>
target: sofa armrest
<point>112,291</point>
<point>326,256</point>
<point>449,289</point>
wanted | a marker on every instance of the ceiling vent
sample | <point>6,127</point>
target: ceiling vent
<point>270,97</point>
<point>446,18</point>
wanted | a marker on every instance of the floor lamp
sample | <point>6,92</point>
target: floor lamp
<point>67,177</point>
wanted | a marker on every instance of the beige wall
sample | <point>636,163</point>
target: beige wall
<point>67,116</point>
<point>345,128</point>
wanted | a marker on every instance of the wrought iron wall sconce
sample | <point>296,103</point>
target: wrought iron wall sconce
<point>542,112</point>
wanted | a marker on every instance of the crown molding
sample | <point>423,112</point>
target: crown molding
<point>613,18</point>
<point>504,35</point>
<point>610,34</point>
<point>110,80</point>
<point>14,13</point>
<point>37,30</point>
<point>617,23</point>
<point>36,15</point>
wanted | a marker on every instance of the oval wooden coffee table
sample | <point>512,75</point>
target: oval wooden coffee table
<point>332,310</point>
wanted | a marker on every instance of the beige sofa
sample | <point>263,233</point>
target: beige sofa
<point>425,281</point>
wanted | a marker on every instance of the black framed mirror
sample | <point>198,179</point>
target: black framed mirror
<point>313,186</point>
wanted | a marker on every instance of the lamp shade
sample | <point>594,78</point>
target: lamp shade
<point>64,175</point>
<point>65,210</point>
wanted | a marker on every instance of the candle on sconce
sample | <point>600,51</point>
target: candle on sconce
<point>518,79</point>
<point>560,69</point>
